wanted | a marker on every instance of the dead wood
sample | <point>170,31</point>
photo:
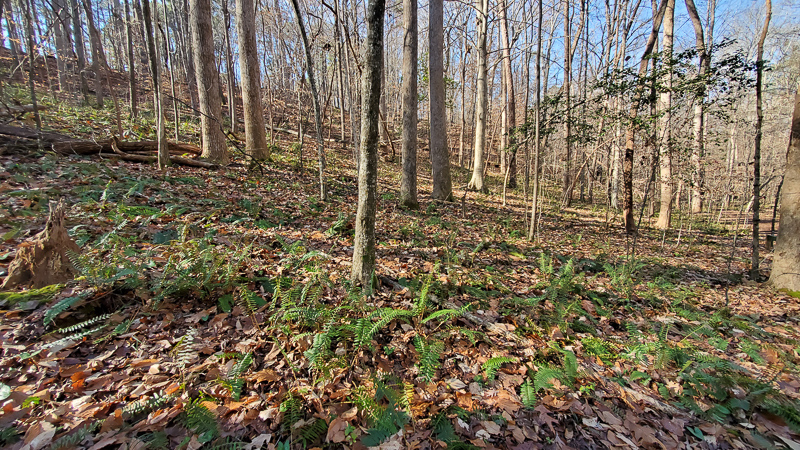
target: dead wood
<point>16,110</point>
<point>42,260</point>
<point>21,139</point>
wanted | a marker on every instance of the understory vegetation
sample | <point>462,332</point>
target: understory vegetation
<point>212,309</point>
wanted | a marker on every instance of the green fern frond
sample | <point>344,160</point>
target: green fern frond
<point>63,305</point>
<point>544,377</point>
<point>442,428</point>
<point>155,440</point>
<point>429,351</point>
<point>74,337</point>
<point>528,394</point>
<point>292,409</point>
<point>71,440</point>
<point>201,420</point>
<point>312,433</point>
<point>186,350</point>
<point>494,364</point>
<point>144,406</point>
<point>84,324</point>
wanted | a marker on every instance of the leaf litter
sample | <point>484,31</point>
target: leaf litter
<point>213,308</point>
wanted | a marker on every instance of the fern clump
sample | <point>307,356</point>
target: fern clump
<point>233,380</point>
<point>566,374</point>
<point>429,351</point>
<point>528,394</point>
<point>491,366</point>
<point>201,420</point>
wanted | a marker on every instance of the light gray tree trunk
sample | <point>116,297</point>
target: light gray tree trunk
<point>786,264</point>
<point>665,121</point>
<point>408,181</point>
<point>230,77</point>
<point>214,146</point>
<point>155,71</point>
<point>80,49</point>
<point>364,243</point>
<point>255,135</point>
<point>698,149</point>
<point>132,92</point>
<point>481,100</point>
<point>536,138</point>
<point>440,153</point>
<point>323,194</point>
<point>95,44</point>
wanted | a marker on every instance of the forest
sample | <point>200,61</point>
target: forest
<point>350,224</point>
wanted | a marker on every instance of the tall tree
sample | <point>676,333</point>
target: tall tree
<point>665,121</point>
<point>231,78</point>
<point>567,188</point>
<point>785,273</point>
<point>94,45</point>
<point>408,181</point>
<point>698,149</point>
<point>132,93</point>
<point>323,192</point>
<point>754,264</point>
<point>630,134</point>
<point>155,72</point>
<point>440,154</point>
<point>255,135</point>
<point>537,125</point>
<point>214,146</point>
<point>481,97</point>
<point>80,49</point>
<point>510,108</point>
<point>364,242</point>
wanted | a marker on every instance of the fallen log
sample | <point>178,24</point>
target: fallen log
<point>16,110</point>
<point>86,147</point>
<point>21,139</point>
<point>151,159</point>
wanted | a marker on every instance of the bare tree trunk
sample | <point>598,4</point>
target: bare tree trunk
<point>481,100</point>
<point>80,50</point>
<point>510,103</point>
<point>323,195</point>
<point>699,111</point>
<point>155,71</point>
<point>464,53</point>
<point>255,136</point>
<point>31,73</point>
<point>408,181</point>
<point>13,35</point>
<point>214,145</point>
<point>62,49</point>
<point>440,153</point>
<point>754,264</point>
<point>94,44</point>
<point>665,122</point>
<point>231,79</point>
<point>364,243</point>
<point>785,273</point>
<point>630,134</point>
<point>134,97</point>
<point>536,141</point>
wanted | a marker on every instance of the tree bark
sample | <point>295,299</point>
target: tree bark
<point>155,72</point>
<point>536,142</point>
<point>323,193</point>
<point>80,49</point>
<point>94,44</point>
<point>754,264</point>
<point>481,100</point>
<point>255,135</point>
<point>665,121</point>
<point>630,134</point>
<point>440,153</point>
<point>214,146</point>
<point>231,79</point>
<point>510,103</point>
<point>786,264</point>
<point>132,92</point>
<point>408,181</point>
<point>364,243</point>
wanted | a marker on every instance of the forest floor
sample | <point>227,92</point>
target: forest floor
<point>212,309</point>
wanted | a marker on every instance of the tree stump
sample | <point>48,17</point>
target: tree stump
<point>42,260</point>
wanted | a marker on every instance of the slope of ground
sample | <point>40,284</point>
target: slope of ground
<point>212,309</point>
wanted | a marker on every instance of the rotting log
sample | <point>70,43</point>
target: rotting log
<point>21,139</point>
